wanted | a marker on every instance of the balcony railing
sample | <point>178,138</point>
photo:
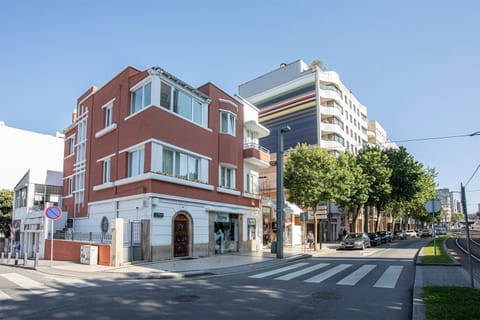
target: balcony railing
<point>256,146</point>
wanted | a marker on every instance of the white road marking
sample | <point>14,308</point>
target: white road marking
<point>78,283</point>
<point>4,296</point>
<point>27,283</point>
<point>276,271</point>
<point>302,272</point>
<point>327,274</point>
<point>389,278</point>
<point>357,275</point>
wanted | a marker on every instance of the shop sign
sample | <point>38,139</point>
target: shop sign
<point>251,221</point>
<point>222,217</point>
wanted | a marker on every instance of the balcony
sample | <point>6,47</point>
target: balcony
<point>256,155</point>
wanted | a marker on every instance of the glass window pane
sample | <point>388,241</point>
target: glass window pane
<point>181,165</point>
<point>193,164</point>
<point>224,123</point>
<point>197,112</point>
<point>184,105</point>
<point>137,100</point>
<point>165,93</point>
<point>147,95</point>
<point>168,161</point>
<point>232,125</point>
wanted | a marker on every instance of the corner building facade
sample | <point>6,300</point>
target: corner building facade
<point>147,147</point>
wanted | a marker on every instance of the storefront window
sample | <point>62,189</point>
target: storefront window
<point>225,233</point>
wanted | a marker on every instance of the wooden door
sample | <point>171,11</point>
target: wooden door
<point>180,236</point>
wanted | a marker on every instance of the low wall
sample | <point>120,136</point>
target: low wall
<point>65,250</point>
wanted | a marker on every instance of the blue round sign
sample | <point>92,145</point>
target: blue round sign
<point>53,212</point>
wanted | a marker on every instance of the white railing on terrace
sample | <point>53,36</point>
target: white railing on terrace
<point>256,146</point>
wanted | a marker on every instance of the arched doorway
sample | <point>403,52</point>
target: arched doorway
<point>181,236</point>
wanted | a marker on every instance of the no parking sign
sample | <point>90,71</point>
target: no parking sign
<point>53,213</point>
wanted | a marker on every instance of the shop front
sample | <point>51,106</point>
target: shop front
<point>226,233</point>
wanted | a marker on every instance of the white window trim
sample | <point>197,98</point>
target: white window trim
<point>106,130</point>
<point>176,148</point>
<point>106,157</point>
<point>139,111</point>
<point>232,114</point>
<point>230,102</point>
<point>108,103</point>
<point>229,191</point>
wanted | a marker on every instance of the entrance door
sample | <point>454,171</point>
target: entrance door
<point>180,236</point>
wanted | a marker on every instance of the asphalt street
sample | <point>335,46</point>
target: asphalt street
<point>372,284</point>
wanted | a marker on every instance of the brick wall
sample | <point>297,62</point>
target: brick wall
<point>70,251</point>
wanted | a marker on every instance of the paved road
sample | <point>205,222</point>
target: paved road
<point>372,284</point>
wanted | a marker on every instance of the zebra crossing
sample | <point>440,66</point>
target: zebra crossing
<point>34,287</point>
<point>320,272</point>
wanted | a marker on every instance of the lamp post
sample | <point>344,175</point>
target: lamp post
<point>280,200</point>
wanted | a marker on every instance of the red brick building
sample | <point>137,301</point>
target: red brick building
<point>148,147</point>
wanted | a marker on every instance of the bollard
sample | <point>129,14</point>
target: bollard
<point>35,262</point>
<point>2,257</point>
<point>25,259</point>
<point>9,254</point>
<point>16,258</point>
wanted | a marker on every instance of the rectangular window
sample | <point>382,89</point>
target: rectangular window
<point>252,183</point>
<point>108,115</point>
<point>71,145</point>
<point>227,177</point>
<point>135,162</point>
<point>168,161</point>
<point>69,186</point>
<point>106,171</point>
<point>227,122</point>
<point>188,107</point>
<point>181,165</point>
<point>165,95</point>
<point>142,97</point>
<point>182,104</point>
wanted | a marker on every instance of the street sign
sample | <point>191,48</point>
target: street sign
<point>433,206</point>
<point>53,213</point>
<point>303,216</point>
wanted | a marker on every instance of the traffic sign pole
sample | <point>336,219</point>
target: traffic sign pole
<point>52,213</point>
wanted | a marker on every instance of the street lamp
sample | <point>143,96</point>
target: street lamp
<point>280,200</point>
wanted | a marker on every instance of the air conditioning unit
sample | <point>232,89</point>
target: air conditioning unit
<point>89,255</point>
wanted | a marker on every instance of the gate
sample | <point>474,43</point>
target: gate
<point>132,240</point>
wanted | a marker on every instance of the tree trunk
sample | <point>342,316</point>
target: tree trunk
<point>365,222</point>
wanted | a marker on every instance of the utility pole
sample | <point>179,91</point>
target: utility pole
<point>467,229</point>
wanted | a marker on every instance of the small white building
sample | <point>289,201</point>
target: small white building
<point>37,190</point>
<point>24,150</point>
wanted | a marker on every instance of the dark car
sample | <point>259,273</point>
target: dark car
<point>375,239</point>
<point>385,236</point>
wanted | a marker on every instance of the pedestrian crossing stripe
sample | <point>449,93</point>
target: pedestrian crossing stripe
<point>270,273</point>
<point>387,280</point>
<point>389,277</point>
<point>302,272</point>
<point>78,283</point>
<point>357,275</point>
<point>328,274</point>
<point>23,282</point>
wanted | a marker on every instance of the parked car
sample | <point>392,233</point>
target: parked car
<point>385,236</point>
<point>399,234</point>
<point>411,234</point>
<point>441,231</point>
<point>426,233</point>
<point>356,241</point>
<point>375,239</point>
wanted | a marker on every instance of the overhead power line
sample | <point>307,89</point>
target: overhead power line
<point>476,133</point>
<point>478,167</point>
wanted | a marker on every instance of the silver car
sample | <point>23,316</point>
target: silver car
<point>356,241</point>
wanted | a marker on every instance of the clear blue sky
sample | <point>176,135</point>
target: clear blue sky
<point>414,64</point>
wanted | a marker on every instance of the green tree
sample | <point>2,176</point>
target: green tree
<point>308,177</point>
<point>350,186</point>
<point>375,165</point>
<point>6,206</point>
<point>426,191</point>
<point>404,179</point>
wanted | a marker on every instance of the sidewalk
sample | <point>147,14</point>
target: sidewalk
<point>177,268</point>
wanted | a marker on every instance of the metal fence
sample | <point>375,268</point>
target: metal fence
<point>96,237</point>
